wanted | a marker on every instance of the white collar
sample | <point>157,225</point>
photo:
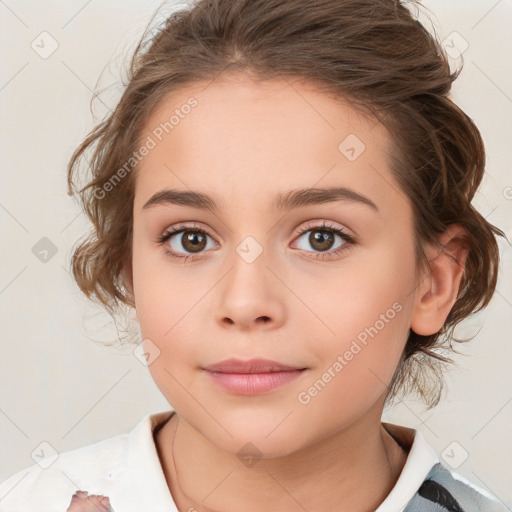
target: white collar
<point>419,462</point>
<point>142,484</point>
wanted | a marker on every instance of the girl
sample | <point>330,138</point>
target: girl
<point>283,195</point>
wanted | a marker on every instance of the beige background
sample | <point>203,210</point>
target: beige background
<point>58,385</point>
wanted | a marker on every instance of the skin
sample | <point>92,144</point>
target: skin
<point>245,142</point>
<point>82,502</point>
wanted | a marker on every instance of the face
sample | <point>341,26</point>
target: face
<point>324,283</point>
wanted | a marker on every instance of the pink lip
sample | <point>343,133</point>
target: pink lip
<point>252,377</point>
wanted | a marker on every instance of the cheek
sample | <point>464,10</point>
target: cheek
<point>357,364</point>
<point>167,300</point>
<point>163,292</point>
<point>353,296</point>
<point>366,315</point>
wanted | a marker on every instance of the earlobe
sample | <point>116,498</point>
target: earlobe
<point>437,291</point>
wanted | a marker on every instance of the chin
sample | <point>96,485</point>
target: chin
<point>270,437</point>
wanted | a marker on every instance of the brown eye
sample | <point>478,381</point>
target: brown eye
<point>321,240</point>
<point>185,241</point>
<point>193,241</point>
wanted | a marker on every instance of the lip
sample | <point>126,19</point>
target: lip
<point>234,365</point>
<point>252,377</point>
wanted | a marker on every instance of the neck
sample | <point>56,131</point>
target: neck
<point>353,470</point>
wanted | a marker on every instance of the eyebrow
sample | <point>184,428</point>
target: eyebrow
<point>284,202</point>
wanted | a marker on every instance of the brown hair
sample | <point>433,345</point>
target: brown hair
<point>373,52</point>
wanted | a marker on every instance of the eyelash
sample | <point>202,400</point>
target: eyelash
<point>349,240</point>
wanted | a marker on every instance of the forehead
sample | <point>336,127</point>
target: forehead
<point>254,136</point>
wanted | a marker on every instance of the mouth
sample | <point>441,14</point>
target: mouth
<point>252,377</point>
<point>252,366</point>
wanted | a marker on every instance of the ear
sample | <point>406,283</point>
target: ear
<point>437,291</point>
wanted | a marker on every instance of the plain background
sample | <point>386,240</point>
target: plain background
<point>59,386</point>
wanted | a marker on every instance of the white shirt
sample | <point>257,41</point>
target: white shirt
<point>127,469</point>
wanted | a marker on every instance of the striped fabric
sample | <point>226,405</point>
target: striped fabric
<point>446,491</point>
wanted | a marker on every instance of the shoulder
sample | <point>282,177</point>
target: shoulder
<point>49,484</point>
<point>451,491</point>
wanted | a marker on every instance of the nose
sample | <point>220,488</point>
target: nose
<point>250,297</point>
